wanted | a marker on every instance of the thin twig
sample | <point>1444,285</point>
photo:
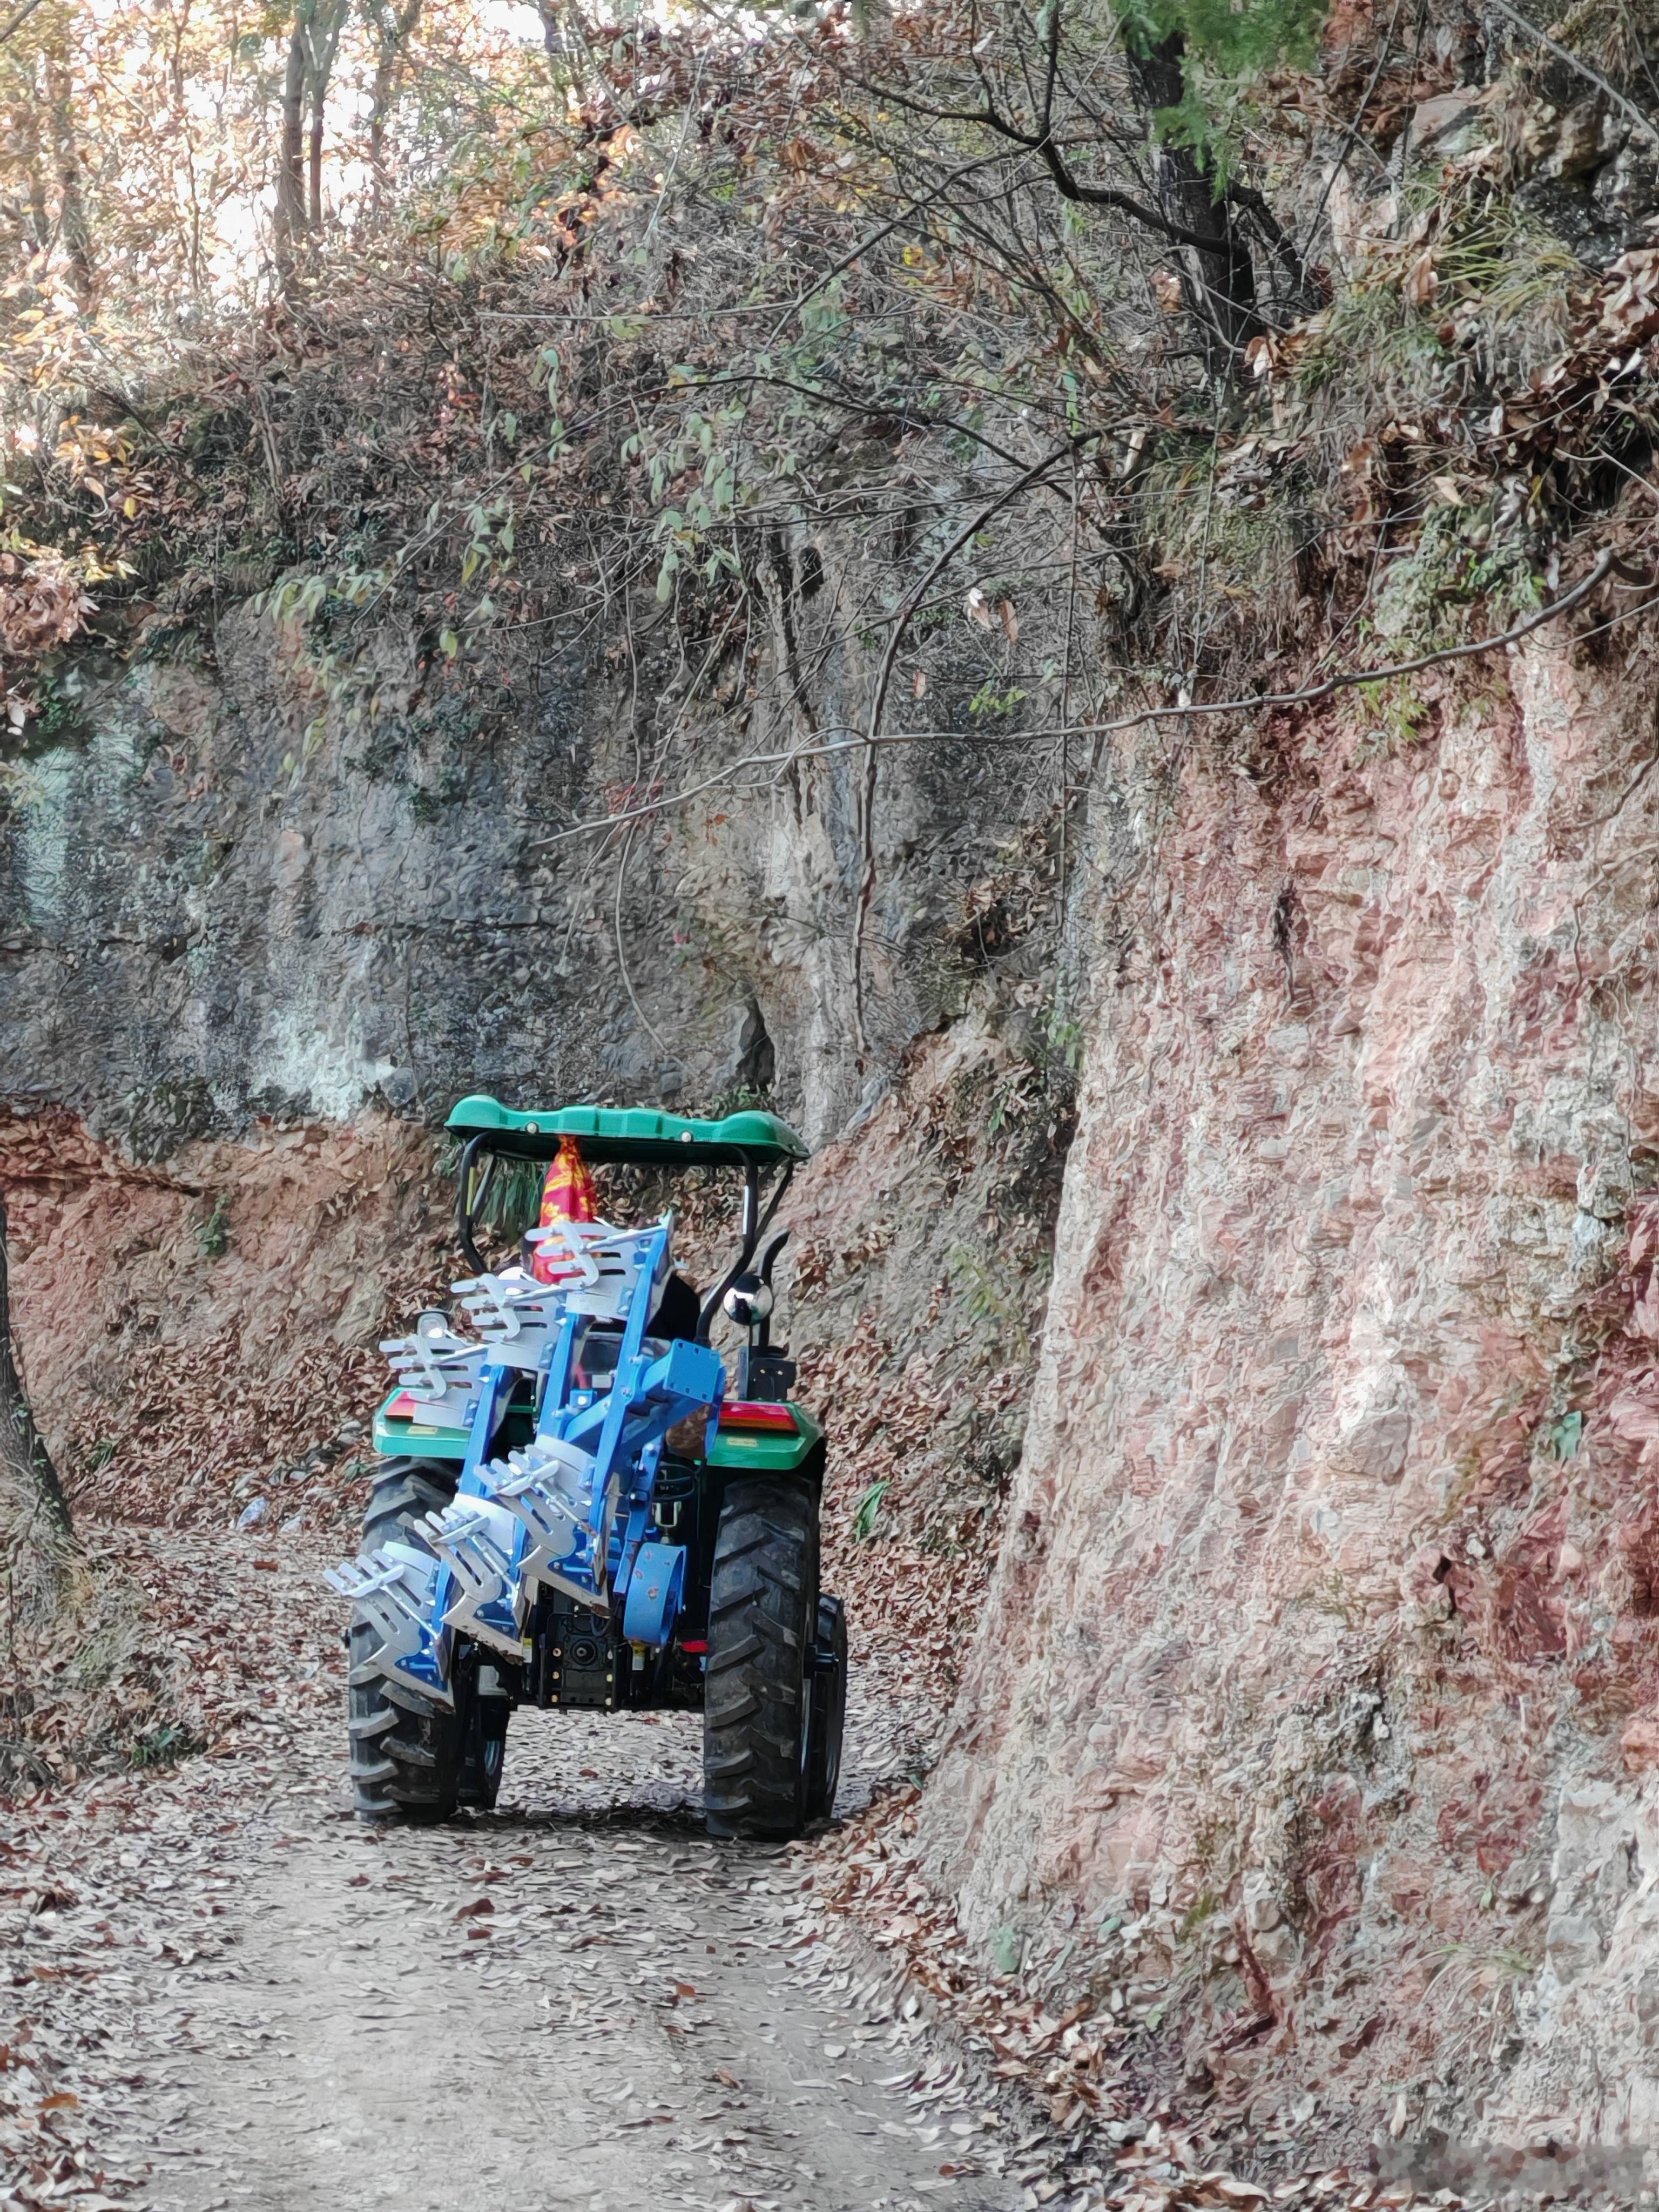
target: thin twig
<point>911,601</point>
<point>886,230</point>
<point>622,956</point>
<point>19,19</point>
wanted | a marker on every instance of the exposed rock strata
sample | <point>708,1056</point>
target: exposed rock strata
<point>235,899</point>
<point>1323,1645</point>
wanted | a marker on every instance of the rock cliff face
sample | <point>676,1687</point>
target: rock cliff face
<point>1313,1709</point>
<point>232,898</point>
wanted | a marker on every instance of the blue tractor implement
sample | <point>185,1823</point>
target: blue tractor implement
<point>581,1503</point>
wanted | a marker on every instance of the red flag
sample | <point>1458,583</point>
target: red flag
<point>567,1195</point>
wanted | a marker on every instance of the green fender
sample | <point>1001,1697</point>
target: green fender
<point>737,1447</point>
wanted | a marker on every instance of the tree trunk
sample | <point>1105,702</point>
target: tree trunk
<point>1217,280</point>
<point>314,174</point>
<point>564,35</point>
<point>74,227</point>
<point>290,220</point>
<point>26,122</point>
<point>36,1542</point>
<point>396,31</point>
<point>552,32</point>
<point>324,24</point>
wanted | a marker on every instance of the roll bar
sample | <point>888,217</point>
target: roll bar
<point>756,1219</point>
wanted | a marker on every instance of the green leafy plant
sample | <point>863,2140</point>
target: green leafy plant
<point>1226,47</point>
<point>213,1235</point>
<point>1564,1436</point>
<point>988,703</point>
<point>1252,36</point>
<point>164,1747</point>
<point>1203,1907</point>
<point>866,1509</point>
<point>984,1298</point>
<point>1398,717</point>
<point>1065,1035</point>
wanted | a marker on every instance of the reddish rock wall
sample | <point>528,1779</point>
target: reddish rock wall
<point>1313,1709</point>
<point>207,1324</point>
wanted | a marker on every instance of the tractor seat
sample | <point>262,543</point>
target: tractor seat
<point>680,1310</point>
<point>677,1313</point>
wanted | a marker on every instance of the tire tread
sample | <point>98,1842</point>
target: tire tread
<point>403,1762</point>
<point>762,1602</point>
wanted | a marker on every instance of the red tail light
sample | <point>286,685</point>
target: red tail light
<point>754,1414</point>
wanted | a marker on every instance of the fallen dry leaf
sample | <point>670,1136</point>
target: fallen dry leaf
<point>1421,281</point>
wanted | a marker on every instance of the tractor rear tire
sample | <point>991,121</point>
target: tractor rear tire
<point>406,1750</point>
<point>829,1710</point>
<point>762,1614</point>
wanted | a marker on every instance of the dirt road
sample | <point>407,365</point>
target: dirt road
<point>576,2002</point>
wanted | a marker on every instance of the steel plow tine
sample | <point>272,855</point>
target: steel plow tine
<point>477,1540</point>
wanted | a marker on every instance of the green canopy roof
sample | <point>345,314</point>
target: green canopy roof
<point>631,1133</point>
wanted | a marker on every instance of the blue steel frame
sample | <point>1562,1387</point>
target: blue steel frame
<point>623,1428</point>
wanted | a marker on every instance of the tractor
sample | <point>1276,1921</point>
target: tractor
<point>581,1504</point>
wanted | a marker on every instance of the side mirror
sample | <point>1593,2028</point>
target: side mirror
<point>748,1300</point>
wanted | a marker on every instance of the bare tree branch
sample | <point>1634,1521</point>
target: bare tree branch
<point>1644,122</point>
<point>18,20</point>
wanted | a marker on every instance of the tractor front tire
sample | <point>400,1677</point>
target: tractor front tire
<point>406,1750</point>
<point>762,1615</point>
